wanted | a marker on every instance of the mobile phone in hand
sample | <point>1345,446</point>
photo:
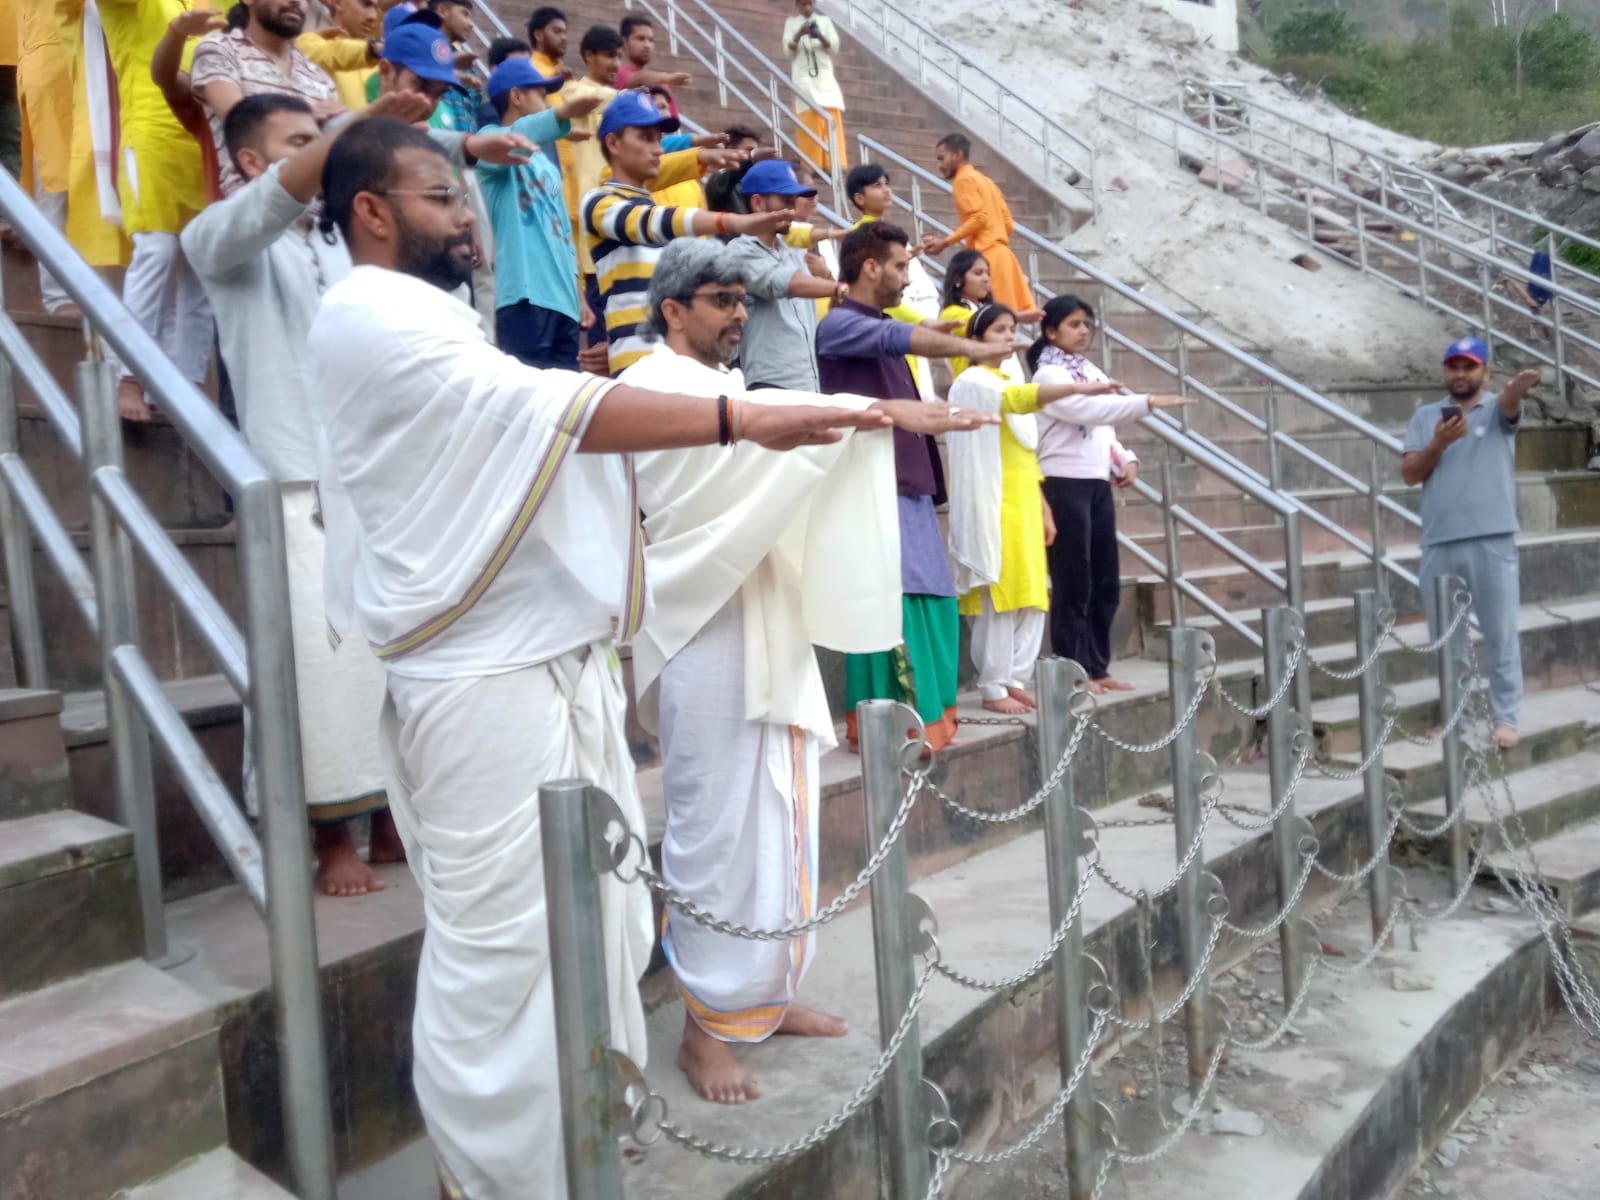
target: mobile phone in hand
<point>1450,412</point>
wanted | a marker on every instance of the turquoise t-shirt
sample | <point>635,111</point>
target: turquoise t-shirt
<point>534,258</point>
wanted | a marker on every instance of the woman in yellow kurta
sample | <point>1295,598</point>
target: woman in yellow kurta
<point>966,290</point>
<point>99,241</point>
<point>999,524</point>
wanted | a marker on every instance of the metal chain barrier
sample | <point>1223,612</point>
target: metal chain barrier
<point>1463,601</point>
<point>1167,738</point>
<point>1063,928</point>
<point>1296,655</point>
<point>1026,807</point>
<point>1385,628</point>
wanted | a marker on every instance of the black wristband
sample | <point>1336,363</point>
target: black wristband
<point>724,433</point>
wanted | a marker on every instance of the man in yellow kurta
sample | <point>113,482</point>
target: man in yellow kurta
<point>44,95</point>
<point>345,49</point>
<point>161,182</point>
<point>91,230</point>
<point>986,223</point>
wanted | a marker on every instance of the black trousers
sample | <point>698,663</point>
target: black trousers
<point>1085,572</point>
<point>540,337</point>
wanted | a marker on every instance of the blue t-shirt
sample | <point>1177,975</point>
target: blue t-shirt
<point>534,258</point>
<point>1473,491</point>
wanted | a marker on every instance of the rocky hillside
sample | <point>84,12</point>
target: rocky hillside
<point>1558,178</point>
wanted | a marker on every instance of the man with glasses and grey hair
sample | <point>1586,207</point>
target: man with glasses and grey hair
<point>753,558</point>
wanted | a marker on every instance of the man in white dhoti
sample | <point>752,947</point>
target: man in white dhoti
<point>487,564</point>
<point>753,557</point>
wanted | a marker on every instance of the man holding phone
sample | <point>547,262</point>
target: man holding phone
<point>1462,450</point>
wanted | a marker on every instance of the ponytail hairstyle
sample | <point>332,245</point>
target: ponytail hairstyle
<point>955,279</point>
<point>986,317</point>
<point>1056,310</point>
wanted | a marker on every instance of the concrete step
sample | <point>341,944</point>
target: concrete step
<point>1329,620</point>
<point>33,760</point>
<point>1336,720</point>
<point>219,1175</point>
<point>1568,866</point>
<point>1554,798</point>
<point>106,1080</point>
<point>68,898</point>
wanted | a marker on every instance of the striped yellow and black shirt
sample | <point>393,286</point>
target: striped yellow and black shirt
<point>627,232</point>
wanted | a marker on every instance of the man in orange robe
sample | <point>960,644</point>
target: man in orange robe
<point>986,223</point>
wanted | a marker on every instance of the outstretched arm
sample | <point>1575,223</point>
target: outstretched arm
<point>630,418</point>
<point>1519,387</point>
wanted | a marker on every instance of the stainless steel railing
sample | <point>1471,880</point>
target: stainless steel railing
<point>274,872</point>
<point>1441,203</point>
<point>1016,124</point>
<point>1037,250</point>
<point>1429,257</point>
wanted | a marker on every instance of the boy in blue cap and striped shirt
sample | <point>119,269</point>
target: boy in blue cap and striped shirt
<point>1462,450</point>
<point>538,295</point>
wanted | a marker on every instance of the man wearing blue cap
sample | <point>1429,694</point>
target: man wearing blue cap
<point>1462,450</point>
<point>539,305</point>
<point>779,349</point>
<point>627,229</point>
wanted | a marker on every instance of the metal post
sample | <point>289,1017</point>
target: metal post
<point>1422,268</point>
<point>1374,783</point>
<point>1558,344</point>
<point>118,604</point>
<point>1057,681</point>
<point>1486,294</point>
<point>582,997</point>
<point>1183,377</point>
<point>1279,629</point>
<point>1295,596</point>
<point>1274,465</point>
<point>285,843</point>
<point>1190,655</point>
<point>1445,588</point>
<point>16,541</point>
<point>1174,544</point>
<point>1361,237</point>
<point>1375,515</point>
<point>903,1142</point>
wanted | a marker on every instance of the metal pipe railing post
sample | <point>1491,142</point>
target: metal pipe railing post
<point>1280,629</point>
<point>1376,516</point>
<point>903,1140</point>
<point>1295,596</point>
<point>582,997</point>
<point>1374,698</point>
<point>285,843</point>
<point>117,602</point>
<point>1190,656</point>
<point>1445,590</point>
<point>1274,461</point>
<point>1058,680</point>
<point>16,541</point>
<point>1174,544</point>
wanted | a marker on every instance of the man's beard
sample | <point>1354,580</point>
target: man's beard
<point>1463,389</point>
<point>432,259</point>
<point>888,296</point>
<point>719,350</point>
<point>282,26</point>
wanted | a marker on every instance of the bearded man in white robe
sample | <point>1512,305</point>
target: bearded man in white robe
<point>753,557</point>
<point>487,564</point>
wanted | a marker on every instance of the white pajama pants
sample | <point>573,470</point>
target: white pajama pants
<point>166,298</point>
<point>466,758</point>
<point>54,207</point>
<point>1005,647</point>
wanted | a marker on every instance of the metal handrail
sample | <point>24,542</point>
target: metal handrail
<point>722,65</point>
<point>1040,247</point>
<point>1437,186</point>
<point>1429,269</point>
<point>259,662</point>
<point>1027,117</point>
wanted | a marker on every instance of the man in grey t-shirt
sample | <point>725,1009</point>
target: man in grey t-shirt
<point>1462,450</point>
<point>779,348</point>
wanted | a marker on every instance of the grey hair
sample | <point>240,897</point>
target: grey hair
<point>685,266</point>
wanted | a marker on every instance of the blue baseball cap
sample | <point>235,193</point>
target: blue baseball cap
<point>422,50</point>
<point>634,108</point>
<point>401,15</point>
<point>1468,347</point>
<point>521,73</point>
<point>774,177</point>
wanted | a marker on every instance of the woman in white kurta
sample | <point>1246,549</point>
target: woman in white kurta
<point>811,41</point>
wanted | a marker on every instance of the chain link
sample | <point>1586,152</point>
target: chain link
<point>1200,975</point>
<point>1022,810</point>
<point>1195,845</point>
<point>1278,809</point>
<point>1284,910</point>
<point>1261,714</point>
<point>1434,739</point>
<point>1039,964</point>
<point>1386,627</point>
<point>1377,753</point>
<point>740,1154</point>
<point>1171,735</point>
<point>1463,608</point>
<point>1286,1026</point>
<point>1380,856</point>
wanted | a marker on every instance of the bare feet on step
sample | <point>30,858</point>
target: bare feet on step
<point>1007,706</point>
<point>801,1021</point>
<point>1505,736</point>
<point>1023,696</point>
<point>712,1070</point>
<point>131,404</point>
<point>340,871</point>
<point>1112,684</point>
<point>385,845</point>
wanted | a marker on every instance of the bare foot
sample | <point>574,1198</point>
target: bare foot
<point>385,845</point>
<point>1008,706</point>
<point>1023,696</point>
<point>1095,687</point>
<point>1112,684</point>
<point>801,1021</point>
<point>340,871</point>
<point>713,1071</point>
<point>1505,736</point>
<point>131,404</point>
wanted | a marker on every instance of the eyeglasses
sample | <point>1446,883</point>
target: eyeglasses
<point>447,197</point>
<point>725,301</point>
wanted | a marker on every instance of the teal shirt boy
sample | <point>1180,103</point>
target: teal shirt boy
<point>534,257</point>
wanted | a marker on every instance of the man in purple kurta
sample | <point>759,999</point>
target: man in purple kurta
<point>860,349</point>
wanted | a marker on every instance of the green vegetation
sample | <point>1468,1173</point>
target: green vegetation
<point>1465,83</point>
